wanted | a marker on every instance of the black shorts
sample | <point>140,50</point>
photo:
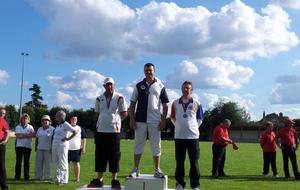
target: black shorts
<point>74,155</point>
<point>107,151</point>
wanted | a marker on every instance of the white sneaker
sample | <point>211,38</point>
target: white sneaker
<point>158,173</point>
<point>179,187</point>
<point>135,172</point>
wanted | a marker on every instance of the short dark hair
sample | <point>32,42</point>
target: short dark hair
<point>149,65</point>
<point>187,83</point>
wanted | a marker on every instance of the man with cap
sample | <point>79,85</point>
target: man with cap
<point>4,135</point>
<point>220,140</point>
<point>43,141</point>
<point>110,108</point>
<point>24,133</point>
<point>288,145</point>
<point>148,96</point>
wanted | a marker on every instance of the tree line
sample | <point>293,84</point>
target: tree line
<point>87,118</point>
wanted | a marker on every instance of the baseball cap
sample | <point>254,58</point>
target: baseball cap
<point>108,80</point>
<point>46,117</point>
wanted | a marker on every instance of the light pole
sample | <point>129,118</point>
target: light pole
<point>23,54</point>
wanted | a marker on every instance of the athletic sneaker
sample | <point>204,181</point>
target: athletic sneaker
<point>135,172</point>
<point>115,184</point>
<point>158,173</point>
<point>95,183</point>
<point>179,187</point>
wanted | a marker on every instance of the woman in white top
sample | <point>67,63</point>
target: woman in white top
<point>76,146</point>
<point>43,149</point>
<point>60,146</point>
<point>24,133</point>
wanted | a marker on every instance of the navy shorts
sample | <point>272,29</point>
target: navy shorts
<point>107,152</point>
<point>74,155</point>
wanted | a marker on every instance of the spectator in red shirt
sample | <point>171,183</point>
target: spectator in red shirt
<point>4,131</point>
<point>268,145</point>
<point>220,140</point>
<point>288,144</point>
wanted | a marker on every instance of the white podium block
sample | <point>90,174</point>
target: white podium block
<point>146,182</point>
<point>105,187</point>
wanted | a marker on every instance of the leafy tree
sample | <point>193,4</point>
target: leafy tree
<point>36,98</point>
<point>228,110</point>
<point>12,116</point>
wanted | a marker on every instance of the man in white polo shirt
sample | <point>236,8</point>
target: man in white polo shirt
<point>110,108</point>
<point>149,95</point>
<point>187,116</point>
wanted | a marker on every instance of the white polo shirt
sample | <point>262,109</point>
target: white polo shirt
<point>75,142</point>
<point>149,98</point>
<point>109,119</point>
<point>186,121</point>
<point>62,130</point>
<point>45,138</point>
<point>26,142</point>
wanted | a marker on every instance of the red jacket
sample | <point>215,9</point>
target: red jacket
<point>220,131</point>
<point>287,136</point>
<point>3,128</point>
<point>268,141</point>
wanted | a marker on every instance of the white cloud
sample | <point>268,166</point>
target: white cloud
<point>242,100</point>
<point>80,86</point>
<point>89,28</point>
<point>2,104</point>
<point>97,29</point>
<point>286,90</point>
<point>210,73</point>
<point>62,98</point>
<point>293,4</point>
<point>4,76</point>
<point>297,63</point>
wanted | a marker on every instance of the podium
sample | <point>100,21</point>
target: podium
<point>146,182</point>
<point>143,182</point>
<point>106,187</point>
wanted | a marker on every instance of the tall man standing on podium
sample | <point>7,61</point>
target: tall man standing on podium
<point>149,94</point>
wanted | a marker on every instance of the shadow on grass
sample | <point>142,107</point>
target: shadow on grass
<point>250,178</point>
<point>31,181</point>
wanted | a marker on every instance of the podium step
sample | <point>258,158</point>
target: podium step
<point>146,182</point>
<point>106,187</point>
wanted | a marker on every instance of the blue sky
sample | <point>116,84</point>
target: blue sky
<point>243,51</point>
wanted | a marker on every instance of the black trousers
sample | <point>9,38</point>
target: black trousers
<point>3,184</point>
<point>22,152</point>
<point>289,153</point>
<point>270,159</point>
<point>219,155</point>
<point>107,151</point>
<point>191,146</point>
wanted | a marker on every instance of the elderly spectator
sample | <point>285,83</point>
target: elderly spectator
<point>60,146</point>
<point>24,134</point>
<point>43,150</point>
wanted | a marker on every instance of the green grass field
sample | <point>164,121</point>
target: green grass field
<point>243,167</point>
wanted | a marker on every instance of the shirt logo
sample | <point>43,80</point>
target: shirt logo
<point>143,87</point>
